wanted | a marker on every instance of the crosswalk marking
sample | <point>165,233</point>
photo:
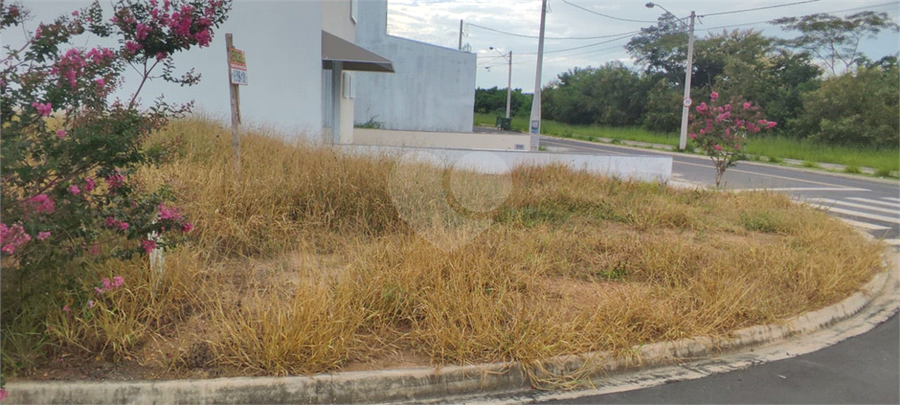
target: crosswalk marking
<point>827,201</point>
<point>892,242</point>
<point>893,220</point>
<point>866,200</point>
<point>892,199</point>
<point>864,225</point>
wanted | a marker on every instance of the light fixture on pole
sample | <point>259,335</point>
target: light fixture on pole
<point>686,102</point>
<point>508,79</point>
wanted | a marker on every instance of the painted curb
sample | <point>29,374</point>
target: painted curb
<point>429,383</point>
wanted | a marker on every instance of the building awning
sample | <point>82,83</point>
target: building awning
<point>353,57</point>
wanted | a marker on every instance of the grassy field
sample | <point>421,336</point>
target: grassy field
<point>884,161</point>
<point>316,261</point>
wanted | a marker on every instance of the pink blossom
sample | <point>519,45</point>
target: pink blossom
<point>148,245</point>
<point>142,32</point>
<point>101,82</point>
<point>89,184</point>
<point>75,13</point>
<point>65,308</point>
<point>737,146</point>
<point>187,227</point>
<point>717,147</point>
<point>160,55</point>
<point>123,226</point>
<point>3,394</point>
<point>74,190</point>
<point>713,95</point>
<point>118,281</point>
<point>44,110</point>
<point>771,125</point>
<point>132,47</point>
<point>12,237</point>
<point>702,131</point>
<point>98,290</point>
<point>728,107</point>
<point>702,108</point>
<point>43,235</point>
<point>42,204</point>
<point>746,106</point>
<point>115,181</point>
<point>111,222</point>
<point>106,283</point>
<point>94,250</point>
<point>61,133</point>
<point>90,303</point>
<point>693,135</point>
<point>168,213</point>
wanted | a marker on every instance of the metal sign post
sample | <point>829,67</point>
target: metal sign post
<point>237,73</point>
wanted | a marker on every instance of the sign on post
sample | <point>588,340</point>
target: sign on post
<point>237,64</point>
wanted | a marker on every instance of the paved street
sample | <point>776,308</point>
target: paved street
<point>862,369</point>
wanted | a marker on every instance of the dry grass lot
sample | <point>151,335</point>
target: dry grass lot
<point>305,266</point>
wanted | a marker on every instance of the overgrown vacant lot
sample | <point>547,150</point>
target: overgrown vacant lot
<point>306,264</point>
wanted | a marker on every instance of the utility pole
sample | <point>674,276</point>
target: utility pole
<point>686,103</point>
<point>509,85</point>
<point>460,34</point>
<point>535,125</point>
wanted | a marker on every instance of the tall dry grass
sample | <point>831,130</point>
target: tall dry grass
<point>305,264</point>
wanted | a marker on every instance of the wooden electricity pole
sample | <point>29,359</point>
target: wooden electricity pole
<point>235,93</point>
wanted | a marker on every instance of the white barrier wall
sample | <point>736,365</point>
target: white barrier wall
<point>459,140</point>
<point>641,168</point>
<point>432,89</point>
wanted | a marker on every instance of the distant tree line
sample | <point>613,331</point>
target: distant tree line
<point>493,101</point>
<point>818,86</point>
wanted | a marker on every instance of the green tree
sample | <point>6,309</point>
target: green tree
<point>856,108</point>
<point>835,40</point>
<point>610,95</point>
<point>662,48</point>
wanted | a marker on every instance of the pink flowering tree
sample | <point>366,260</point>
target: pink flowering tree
<point>69,151</point>
<point>720,129</point>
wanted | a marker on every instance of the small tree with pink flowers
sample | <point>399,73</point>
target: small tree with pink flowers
<point>720,129</point>
<point>68,153</point>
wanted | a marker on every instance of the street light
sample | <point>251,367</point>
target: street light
<point>686,103</point>
<point>508,80</point>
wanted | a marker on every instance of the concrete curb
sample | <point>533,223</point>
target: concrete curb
<point>424,383</point>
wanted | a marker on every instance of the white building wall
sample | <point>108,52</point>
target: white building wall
<point>284,68</point>
<point>336,20</point>
<point>432,89</point>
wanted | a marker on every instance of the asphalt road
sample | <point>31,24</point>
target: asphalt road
<point>862,369</point>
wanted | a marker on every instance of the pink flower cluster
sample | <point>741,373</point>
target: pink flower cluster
<point>43,110</point>
<point>115,181</point>
<point>173,215</point>
<point>116,224</point>
<point>12,237</point>
<point>184,21</point>
<point>108,285</point>
<point>42,204</point>
<point>70,66</point>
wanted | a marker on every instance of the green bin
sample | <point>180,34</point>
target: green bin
<point>504,123</point>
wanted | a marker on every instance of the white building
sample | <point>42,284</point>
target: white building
<point>432,89</point>
<point>295,48</point>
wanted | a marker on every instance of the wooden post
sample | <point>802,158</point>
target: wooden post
<point>235,93</point>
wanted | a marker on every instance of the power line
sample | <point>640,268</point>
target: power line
<point>769,21</point>
<point>758,8</point>
<point>535,36</point>
<point>605,15</point>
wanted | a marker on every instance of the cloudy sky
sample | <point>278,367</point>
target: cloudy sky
<point>437,22</point>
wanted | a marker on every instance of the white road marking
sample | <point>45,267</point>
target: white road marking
<point>828,201</point>
<point>866,200</point>
<point>894,220</point>
<point>891,199</point>
<point>864,225</point>
<point>892,242</point>
<point>804,189</point>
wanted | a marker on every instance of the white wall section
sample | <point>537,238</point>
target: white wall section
<point>433,88</point>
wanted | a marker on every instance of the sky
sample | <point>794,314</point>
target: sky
<point>437,22</point>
